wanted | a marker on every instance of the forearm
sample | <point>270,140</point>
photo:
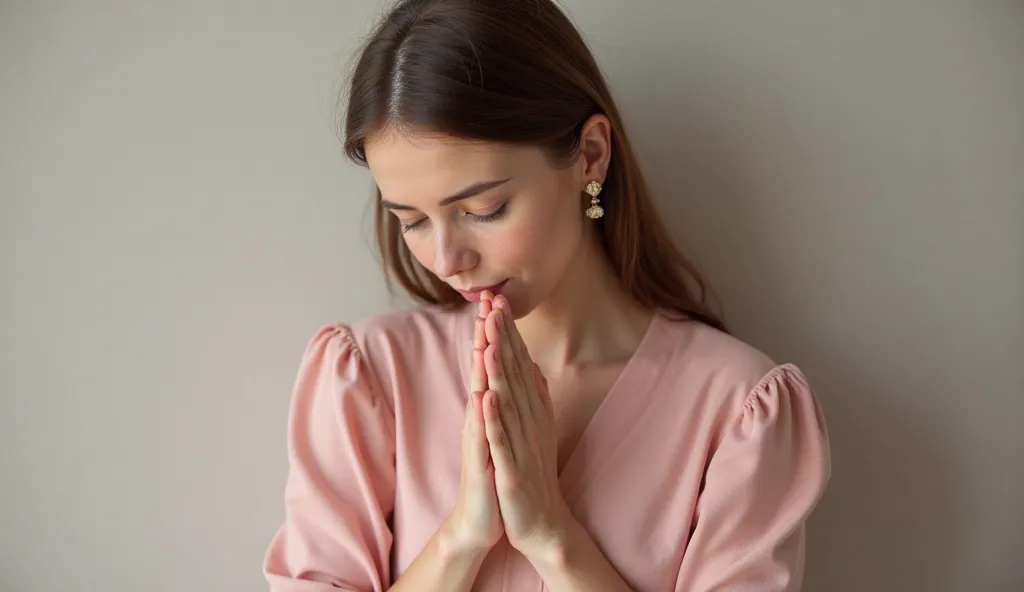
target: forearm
<point>443,565</point>
<point>574,563</point>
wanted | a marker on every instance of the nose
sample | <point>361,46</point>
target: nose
<point>452,255</point>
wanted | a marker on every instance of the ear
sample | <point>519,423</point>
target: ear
<point>595,149</point>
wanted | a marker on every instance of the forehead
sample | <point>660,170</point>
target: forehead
<point>422,168</point>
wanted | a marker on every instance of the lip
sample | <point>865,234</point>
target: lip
<point>473,294</point>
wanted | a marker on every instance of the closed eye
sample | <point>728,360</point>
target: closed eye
<point>406,227</point>
<point>493,216</point>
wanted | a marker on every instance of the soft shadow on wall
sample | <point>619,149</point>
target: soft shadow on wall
<point>888,520</point>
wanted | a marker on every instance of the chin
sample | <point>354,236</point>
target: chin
<point>520,304</point>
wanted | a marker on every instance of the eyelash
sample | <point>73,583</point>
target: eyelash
<point>494,216</point>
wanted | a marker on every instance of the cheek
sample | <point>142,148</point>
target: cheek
<point>422,250</point>
<point>541,239</point>
<point>520,245</point>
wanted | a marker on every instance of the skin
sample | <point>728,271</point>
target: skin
<point>559,280</point>
<point>561,314</point>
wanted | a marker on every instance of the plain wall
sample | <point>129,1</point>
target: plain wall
<point>177,220</point>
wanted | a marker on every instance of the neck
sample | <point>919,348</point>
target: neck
<point>588,318</point>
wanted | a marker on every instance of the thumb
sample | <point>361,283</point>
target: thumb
<point>467,434</point>
<point>479,451</point>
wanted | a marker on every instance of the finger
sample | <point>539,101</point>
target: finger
<point>511,374</point>
<point>522,352</point>
<point>479,454</point>
<point>486,305</point>
<point>498,440</point>
<point>497,333</point>
<point>478,373</point>
<point>519,367</point>
<point>507,405</point>
<point>478,376</point>
<point>467,437</point>
<point>479,339</point>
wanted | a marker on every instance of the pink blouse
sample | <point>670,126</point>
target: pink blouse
<point>696,473</point>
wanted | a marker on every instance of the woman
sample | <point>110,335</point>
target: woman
<point>566,412</point>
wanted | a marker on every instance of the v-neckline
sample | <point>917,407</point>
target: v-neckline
<point>598,440</point>
<point>619,409</point>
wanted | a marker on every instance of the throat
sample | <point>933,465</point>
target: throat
<point>576,396</point>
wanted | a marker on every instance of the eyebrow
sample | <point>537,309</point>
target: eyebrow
<point>472,190</point>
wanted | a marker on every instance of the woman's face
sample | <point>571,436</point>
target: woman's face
<point>482,215</point>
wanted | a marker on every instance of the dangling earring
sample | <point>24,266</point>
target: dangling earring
<point>595,211</point>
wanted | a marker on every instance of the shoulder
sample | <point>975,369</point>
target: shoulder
<point>408,333</point>
<point>386,347</point>
<point>396,329</point>
<point>722,368</point>
<point>391,343</point>
<point>731,383</point>
<point>706,351</point>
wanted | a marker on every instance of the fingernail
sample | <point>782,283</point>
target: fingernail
<point>494,400</point>
<point>496,354</point>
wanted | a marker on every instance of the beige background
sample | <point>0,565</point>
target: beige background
<point>177,221</point>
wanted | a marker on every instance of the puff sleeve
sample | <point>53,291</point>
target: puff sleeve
<point>340,488</point>
<point>767,473</point>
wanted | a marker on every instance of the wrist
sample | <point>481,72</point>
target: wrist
<point>552,551</point>
<point>456,545</point>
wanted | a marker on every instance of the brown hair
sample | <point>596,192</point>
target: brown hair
<point>514,72</point>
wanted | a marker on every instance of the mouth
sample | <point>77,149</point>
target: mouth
<point>473,294</point>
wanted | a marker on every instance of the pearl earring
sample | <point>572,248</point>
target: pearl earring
<point>595,211</point>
